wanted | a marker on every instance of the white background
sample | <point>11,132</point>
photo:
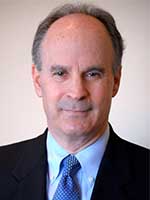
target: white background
<point>21,113</point>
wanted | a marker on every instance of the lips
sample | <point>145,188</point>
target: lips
<point>74,106</point>
<point>74,114</point>
<point>77,110</point>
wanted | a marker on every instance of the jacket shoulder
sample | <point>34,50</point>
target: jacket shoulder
<point>133,151</point>
<point>127,165</point>
<point>11,153</point>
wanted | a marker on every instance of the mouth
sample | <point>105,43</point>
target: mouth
<point>76,112</point>
<point>72,106</point>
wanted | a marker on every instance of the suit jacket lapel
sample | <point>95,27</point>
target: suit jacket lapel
<point>30,171</point>
<point>114,173</point>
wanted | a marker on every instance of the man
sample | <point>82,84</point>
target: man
<point>76,69</point>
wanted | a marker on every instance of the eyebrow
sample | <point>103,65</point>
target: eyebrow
<point>57,67</point>
<point>96,68</point>
<point>67,67</point>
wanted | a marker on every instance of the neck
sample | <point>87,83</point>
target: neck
<point>73,144</point>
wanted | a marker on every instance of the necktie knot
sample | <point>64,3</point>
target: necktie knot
<point>71,165</point>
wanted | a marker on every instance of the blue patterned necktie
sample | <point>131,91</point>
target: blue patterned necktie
<point>68,188</point>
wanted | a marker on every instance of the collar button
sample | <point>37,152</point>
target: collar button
<point>91,179</point>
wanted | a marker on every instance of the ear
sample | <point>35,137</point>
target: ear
<point>36,80</point>
<point>117,77</point>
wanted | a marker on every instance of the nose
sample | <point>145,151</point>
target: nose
<point>77,89</point>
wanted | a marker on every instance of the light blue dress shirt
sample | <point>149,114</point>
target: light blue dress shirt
<point>89,158</point>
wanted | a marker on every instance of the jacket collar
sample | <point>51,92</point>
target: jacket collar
<point>115,172</point>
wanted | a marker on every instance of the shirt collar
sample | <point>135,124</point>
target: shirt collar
<point>91,154</point>
<point>55,155</point>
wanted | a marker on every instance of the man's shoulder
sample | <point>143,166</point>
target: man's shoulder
<point>126,145</point>
<point>127,165</point>
<point>17,162</point>
<point>125,151</point>
<point>132,149</point>
<point>130,157</point>
<point>9,154</point>
<point>20,144</point>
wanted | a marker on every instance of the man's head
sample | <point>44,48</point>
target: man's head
<point>76,71</point>
<point>100,14</point>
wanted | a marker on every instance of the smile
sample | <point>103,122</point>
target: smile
<point>76,113</point>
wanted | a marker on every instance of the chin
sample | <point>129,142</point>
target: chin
<point>75,130</point>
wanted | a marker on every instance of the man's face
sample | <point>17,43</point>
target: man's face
<point>76,82</point>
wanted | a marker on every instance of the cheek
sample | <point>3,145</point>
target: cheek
<point>49,89</point>
<point>101,95</point>
<point>51,94</point>
<point>50,97</point>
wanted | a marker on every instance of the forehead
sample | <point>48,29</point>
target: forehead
<point>76,37</point>
<point>75,24</point>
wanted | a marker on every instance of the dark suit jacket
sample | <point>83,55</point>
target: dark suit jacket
<point>123,174</point>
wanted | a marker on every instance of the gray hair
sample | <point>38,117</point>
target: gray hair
<point>100,14</point>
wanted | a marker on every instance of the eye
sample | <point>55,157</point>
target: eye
<point>59,73</point>
<point>94,74</point>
